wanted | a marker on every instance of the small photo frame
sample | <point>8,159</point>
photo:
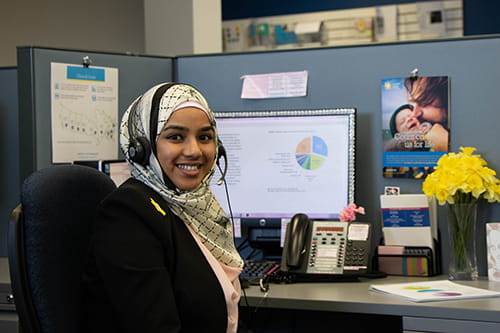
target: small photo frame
<point>391,190</point>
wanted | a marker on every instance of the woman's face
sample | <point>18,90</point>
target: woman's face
<point>186,147</point>
<point>431,113</point>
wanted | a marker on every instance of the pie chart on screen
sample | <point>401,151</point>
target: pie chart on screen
<point>311,152</point>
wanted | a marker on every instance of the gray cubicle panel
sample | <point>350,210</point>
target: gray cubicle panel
<point>9,150</point>
<point>136,74</point>
<point>351,77</point>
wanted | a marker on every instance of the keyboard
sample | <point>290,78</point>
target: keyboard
<point>256,270</point>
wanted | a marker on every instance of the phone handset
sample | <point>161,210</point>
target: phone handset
<point>296,248</point>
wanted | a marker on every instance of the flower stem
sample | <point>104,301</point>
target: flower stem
<point>462,218</point>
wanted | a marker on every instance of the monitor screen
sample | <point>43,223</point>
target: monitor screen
<point>280,163</point>
<point>118,170</point>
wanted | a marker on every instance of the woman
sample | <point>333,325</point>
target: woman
<point>162,257</point>
<point>429,96</point>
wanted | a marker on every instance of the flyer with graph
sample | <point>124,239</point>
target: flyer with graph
<point>415,125</point>
<point>431,291</point>
<point>84,113</point>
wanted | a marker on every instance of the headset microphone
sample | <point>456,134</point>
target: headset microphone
<point>221,153</point>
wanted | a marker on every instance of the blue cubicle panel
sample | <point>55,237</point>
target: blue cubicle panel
<point>9,150</point>
<point>136,74</point>
<point>351,77</point>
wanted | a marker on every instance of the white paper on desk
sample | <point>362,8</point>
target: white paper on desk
<point>431,291</point>
<point>409,236</point>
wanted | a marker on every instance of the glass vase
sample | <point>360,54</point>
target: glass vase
<point>462,233</point>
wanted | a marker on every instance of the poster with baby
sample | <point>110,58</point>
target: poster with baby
<point>415,125</point>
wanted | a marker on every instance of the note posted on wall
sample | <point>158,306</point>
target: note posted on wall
<point>274,85</point>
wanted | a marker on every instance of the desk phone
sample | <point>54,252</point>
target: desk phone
<point>326,247</point>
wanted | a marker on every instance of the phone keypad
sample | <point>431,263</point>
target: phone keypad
<point>328,247</point>
<point>356,255</point>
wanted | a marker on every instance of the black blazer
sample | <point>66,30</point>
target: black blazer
<point>145,272</point>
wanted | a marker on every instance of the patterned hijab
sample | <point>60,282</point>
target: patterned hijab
<point>198,208</point>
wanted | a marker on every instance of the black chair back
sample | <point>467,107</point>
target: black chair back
<point>48,239</point>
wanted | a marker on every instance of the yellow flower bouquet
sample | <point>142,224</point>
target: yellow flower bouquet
<point>460,180</point>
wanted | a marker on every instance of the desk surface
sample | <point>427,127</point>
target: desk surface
<point>354,297</point>
<point>4,271</point>
<point>6,302</point>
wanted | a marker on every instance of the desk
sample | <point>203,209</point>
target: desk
<point>8,316</point>
<point>472,315</point>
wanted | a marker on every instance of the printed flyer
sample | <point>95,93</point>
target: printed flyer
<point>431,291</point>
<point>415,125</point>
<point>84,113</point>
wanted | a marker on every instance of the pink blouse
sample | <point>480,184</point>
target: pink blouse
<point>228,279</point>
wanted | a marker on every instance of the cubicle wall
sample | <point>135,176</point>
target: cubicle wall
<point>9,150</point>
<point>338,77</point>
<point>26,131</point>
<point>351,77</point>
<point>135,75</point>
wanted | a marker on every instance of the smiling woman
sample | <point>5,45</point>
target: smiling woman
<point>162,231</point>
<point>186,147</point>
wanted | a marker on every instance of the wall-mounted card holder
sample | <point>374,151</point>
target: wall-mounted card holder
<point>405,260</point>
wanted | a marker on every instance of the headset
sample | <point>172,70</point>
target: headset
<point>140,148</point>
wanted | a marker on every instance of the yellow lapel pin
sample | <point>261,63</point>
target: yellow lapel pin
<point>157,206</point>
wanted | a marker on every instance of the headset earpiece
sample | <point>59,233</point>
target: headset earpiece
<point>139,148</point>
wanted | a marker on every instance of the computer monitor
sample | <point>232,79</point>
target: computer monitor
<point>118,170</point>
<point>280,163</point>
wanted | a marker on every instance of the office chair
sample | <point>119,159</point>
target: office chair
<point>47,243</point>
